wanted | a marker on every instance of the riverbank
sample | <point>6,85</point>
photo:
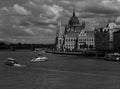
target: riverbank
<point>81,53</point>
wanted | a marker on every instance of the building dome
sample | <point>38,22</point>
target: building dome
<point>73,20</point>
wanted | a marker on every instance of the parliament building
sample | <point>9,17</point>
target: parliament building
<point>75,36</point>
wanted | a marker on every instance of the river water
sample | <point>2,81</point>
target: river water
<point>59,72</point>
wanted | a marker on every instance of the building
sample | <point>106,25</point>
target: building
<point>106,37</point>
<point>86,40</point>
<point>116,40</point>
<point>74,25</point>
<point>102,39</point>
<point>72,29</point>
<point>75,36</point>
<point>82,36</point>
<point>70,43</point>
<point>60,41</point>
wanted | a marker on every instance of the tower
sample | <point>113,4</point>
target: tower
<point>59,37</point>
<point>73,12</point>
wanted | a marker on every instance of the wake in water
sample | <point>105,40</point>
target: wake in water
<point>19,65</point>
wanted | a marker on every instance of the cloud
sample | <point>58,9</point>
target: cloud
<point>107,1</point>
<point>111,4</point>
<point>49,31</point>
<point>31,4</point>
<point>36,39</point>
<point>118,19</point>
<point>56,9</point>
<point>28,30</point>
<point>65,2</point>
<point>30,25</point>
<point>38,18</point>
<point>44,11</point>
<point>96,7</point>
<point>54,12</point>
<point>9,31</point>
<point>36,30</point>
<point>21,10</point>
<point>9,3</point>
<point>5,9</point>
<point>51,26</point>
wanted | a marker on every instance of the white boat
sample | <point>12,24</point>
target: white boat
<point>39,59</point>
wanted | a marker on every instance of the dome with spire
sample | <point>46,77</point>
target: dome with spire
<point>73,20</point>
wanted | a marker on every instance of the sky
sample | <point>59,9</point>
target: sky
<point>35,21</point>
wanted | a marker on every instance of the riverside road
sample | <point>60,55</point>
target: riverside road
<point>59,72</point>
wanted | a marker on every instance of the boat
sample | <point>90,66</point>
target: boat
<point>39,59</point>
<point>13,62</point>
<point>112,57</point>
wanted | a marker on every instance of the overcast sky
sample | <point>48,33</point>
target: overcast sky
<point>35,21</point>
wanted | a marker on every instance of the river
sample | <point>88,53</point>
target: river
<point>59,72</point>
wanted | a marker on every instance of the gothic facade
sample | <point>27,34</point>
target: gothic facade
<point>69,40</point>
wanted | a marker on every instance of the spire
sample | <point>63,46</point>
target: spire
<point>60,27</point>
<point>73,12</point>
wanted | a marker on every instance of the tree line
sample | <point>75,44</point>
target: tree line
<point>24,46</point>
